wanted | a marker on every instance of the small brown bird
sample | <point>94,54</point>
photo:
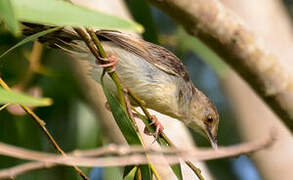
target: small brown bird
<point>154,74</point>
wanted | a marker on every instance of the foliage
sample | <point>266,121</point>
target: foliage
<point>7,14</point>
<point>70,118</point>
<point>12,97</point>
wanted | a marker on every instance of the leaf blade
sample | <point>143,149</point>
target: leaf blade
<point>30,38</point>
<point>7,14</point>
<point>129,172</point>
<point>146,172</point>
<point>60,13</point>
<point>127,129</point>
<point>13,97</point>
<point>122,120</point>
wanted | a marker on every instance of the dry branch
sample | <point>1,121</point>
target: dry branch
<point>125,156</point>
<point>225,33</point>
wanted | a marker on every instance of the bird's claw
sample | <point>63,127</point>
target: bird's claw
<point>159,128</point>
<point>110,61</point>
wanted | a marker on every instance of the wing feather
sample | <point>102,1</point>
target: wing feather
<point>160,57</point>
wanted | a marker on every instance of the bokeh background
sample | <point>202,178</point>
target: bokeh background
<point>74,123</point>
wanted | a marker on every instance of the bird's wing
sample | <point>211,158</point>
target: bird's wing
<point>160,57</point>
<point>154,54</point>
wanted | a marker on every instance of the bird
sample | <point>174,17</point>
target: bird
<point>151,72</point>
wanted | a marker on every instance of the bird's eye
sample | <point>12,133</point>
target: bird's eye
<point>210,120</point>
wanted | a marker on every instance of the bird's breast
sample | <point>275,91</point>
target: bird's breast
<point>157,88</point>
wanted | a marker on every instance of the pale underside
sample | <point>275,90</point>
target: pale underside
<point>152,85</point>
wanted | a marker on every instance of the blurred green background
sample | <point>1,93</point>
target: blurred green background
<point>73,123</point>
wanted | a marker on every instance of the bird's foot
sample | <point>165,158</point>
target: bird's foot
<point>159,127</point>
<point>110,62</point>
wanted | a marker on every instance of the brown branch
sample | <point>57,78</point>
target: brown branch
<point>126,155</point>
<point>11,173</point>
<point>225,33</point>
<point>41,125</point>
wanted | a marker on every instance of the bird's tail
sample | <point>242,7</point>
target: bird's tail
<point>65,38</point>
<point>69,42</point>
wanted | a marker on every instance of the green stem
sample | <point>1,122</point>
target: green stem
<point>97,42</point>
<point>113,75</point>
<point>94,45</point>
<point>162,135</point>
<point>4,106</point>
<point>101,53</point>
<point>141,104</point>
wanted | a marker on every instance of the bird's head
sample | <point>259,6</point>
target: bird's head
<point>203,117</point>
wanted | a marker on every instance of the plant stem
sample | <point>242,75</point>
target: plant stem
<point>42,124</point>
<point>97,50</point>
<point>4,106</point>
<point>116,80</point>
<point>196,170</point>
<point>162,135</point>
<point>100,53</point>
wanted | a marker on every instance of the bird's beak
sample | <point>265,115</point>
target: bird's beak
<point>213,140</point>
<point>212,136</point>
<point>207,132</point>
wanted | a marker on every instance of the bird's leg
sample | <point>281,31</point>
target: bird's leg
<point>110,61</point>
<point>159,127</point>
<point>128,106</point>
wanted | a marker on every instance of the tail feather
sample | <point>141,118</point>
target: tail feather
<point>68,41</point>
<point>65,37</point>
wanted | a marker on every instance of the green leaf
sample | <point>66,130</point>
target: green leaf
<point>12,97</point>
<point>175,167</point>
<point>129,172</point>
<point>7,14</point>
<point>30,38</point>
<point>122,120</point>
<point>60,13</point>
<point>146,172</point>
<point>127,128</point>
<point>177,171</point>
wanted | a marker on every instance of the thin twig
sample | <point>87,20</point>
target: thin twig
<point>196,170</point>
<point>13,172</point>
<point>122,92</point>
<point>4,106</point>
<point>96,48</point>
<point>123,95</point>
<point>126,155</point>
<point>42,124</point>
<point>100,53</point>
